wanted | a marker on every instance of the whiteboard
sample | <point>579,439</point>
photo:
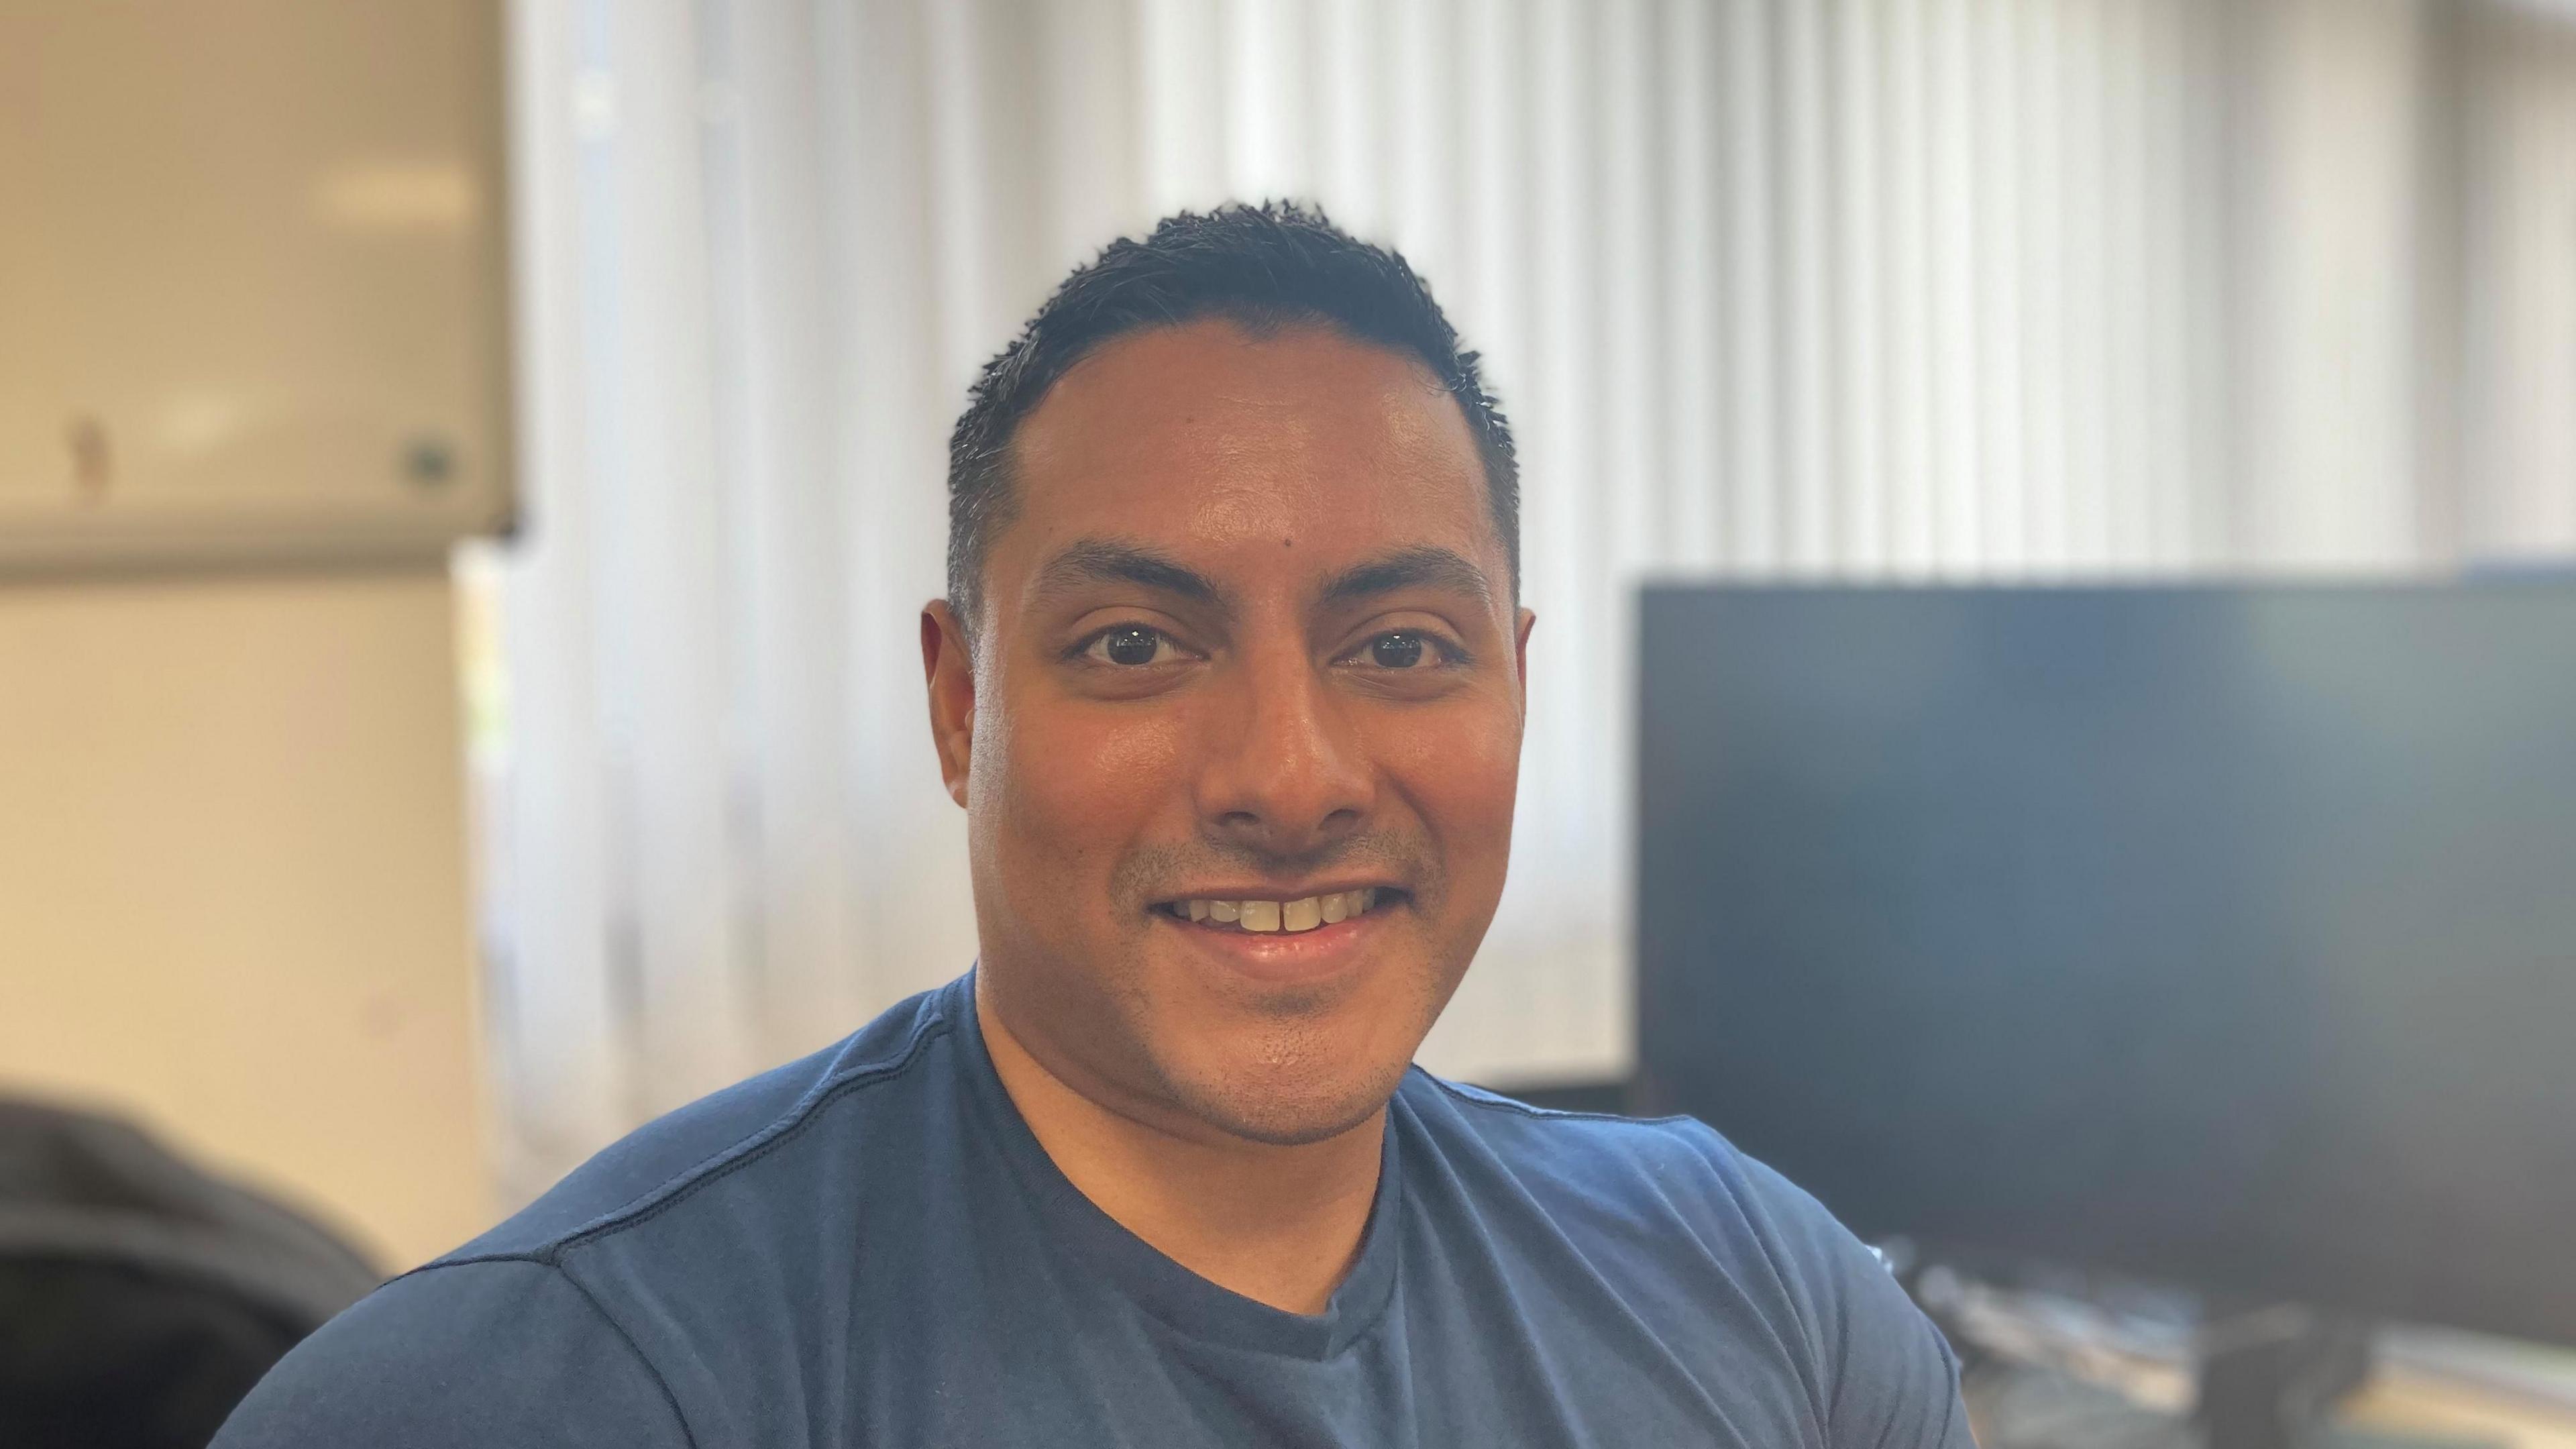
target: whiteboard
<point>253,280</point>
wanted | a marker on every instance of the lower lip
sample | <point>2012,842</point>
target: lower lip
<point>1287,958</point>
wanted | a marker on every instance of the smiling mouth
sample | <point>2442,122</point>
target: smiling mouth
<point>1303,914</point>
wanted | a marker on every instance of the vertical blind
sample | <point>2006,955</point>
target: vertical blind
<point>1829,289</point>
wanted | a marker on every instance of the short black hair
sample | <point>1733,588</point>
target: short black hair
<point>1279,264</point>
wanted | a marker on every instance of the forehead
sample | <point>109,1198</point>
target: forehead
<point>1293,451</point>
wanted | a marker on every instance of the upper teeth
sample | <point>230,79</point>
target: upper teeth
<point>1298,915</point>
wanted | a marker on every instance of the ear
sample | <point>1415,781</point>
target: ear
<point>1520,655</point>
<point>949,671</point>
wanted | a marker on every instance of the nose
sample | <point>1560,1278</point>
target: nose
<point>1286,772</point>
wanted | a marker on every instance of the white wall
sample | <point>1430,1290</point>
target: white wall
<point>233,883</point>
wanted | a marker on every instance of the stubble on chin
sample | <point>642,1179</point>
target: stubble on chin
<point>1290,1101</point>
<point>1297,1073</point>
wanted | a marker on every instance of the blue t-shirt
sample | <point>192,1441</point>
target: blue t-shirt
<point>869,1247</point>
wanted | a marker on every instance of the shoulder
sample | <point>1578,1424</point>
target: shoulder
<point>666,1162</point>
<point>1678,1162</point>
<point>1679,1202</point>
<point>577,1319</point>
<point>468,1354</point>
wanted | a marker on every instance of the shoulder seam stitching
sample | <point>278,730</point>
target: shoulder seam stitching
<point>644,1207</point>
<point>740,1152</point>
<point>671,1400</point>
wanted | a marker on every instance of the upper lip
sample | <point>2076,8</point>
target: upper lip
<point>1279,893</point>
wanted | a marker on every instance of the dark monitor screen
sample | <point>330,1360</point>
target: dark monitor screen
<point>2224,935</point>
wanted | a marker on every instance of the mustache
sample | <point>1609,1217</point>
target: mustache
<point>1161,872</point>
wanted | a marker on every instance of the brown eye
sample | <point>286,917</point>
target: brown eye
<point>1396,651</point>
<point>1131,644</point>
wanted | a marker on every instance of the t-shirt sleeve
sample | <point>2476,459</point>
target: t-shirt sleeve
<point>1897,1385</point>
<point>495,1353</point>
<point>1888,1377</point>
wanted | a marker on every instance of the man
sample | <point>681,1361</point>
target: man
<point>1230,682</point>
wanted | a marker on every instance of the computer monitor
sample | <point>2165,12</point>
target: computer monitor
<point>2219,935</point>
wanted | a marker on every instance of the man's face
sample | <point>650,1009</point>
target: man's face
<point>1248,640</point>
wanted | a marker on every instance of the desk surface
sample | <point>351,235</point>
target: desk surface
<point>2059,1372</point>
<point>2408,1401</point>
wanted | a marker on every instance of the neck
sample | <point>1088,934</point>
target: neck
<point>1280,1225</point>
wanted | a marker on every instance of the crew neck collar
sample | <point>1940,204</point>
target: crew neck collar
<point>1181,1299</point>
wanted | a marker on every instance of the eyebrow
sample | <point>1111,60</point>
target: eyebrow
<point>1424,567</point>
<point>1100,560</point>
<point>1105,561</point>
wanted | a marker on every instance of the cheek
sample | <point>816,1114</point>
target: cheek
<point>1079,782</point>
<point>1461,776</point>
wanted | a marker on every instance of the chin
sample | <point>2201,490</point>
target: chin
<point>1286,1104</point>
<point>1291,1075</point>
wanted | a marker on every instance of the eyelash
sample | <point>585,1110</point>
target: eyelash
<point>1450,654</point>
<point>1080,653</point>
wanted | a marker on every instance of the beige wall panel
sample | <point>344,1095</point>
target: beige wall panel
<point>233,893</point>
